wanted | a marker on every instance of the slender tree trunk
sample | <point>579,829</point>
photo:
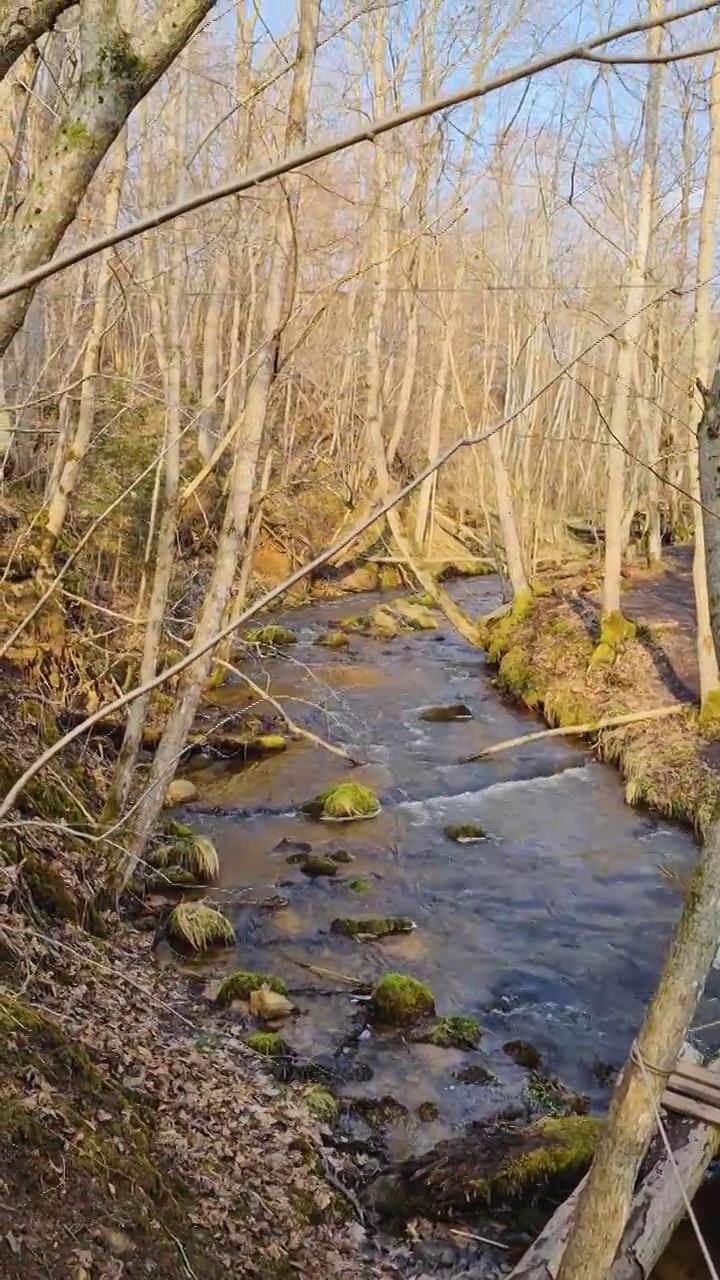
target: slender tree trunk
<point>631,333</point>
<point>59,500</point>
<point>246,456</point>
<point>703,337</point>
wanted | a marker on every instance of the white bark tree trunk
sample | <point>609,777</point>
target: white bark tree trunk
<point>630,335</point>
<point>118,69</point>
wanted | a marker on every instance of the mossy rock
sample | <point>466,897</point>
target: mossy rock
<point>445,715</point>
<point>457,1031</point>
<point>342,856</point>
<point>343,802</point>
<point>464,832</point>
<point>167,878</point>
<point>268,744</point>
<point>424,599</point>
<point>316,865</point>
<point>360,884</point>
<point>333,640</point>
<point>192,852</point>
<point>384,625</point>
<point>371,928</point>
<point>498,1169</point>
<point>321,1103</point>
<point>547,1094</point>
<point>400,1000</point>
<point>268,1044</point>
<point>195,927</point>
<point>390,577</point>
<point>428,1111</point>
<point>416,616</point>
<point>240,985</point>
<point>524,1054</point>
<point>271,636</point>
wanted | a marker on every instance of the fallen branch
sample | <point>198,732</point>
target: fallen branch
<point>326,973</point>
<point>657,1207</point>
<point>591,726</point>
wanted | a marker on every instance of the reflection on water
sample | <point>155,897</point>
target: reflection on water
<point>553,930</point>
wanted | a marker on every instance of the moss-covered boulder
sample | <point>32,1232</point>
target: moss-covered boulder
<point>180,791</point>
<point>191,851</point>
<point>475,1073</point>
<point>497,1168</point>
<point>321,1103</point>
<point>371,928</point>
<point>464,832</point>
<point>444,715</point>
<point>267,744</point>
<point>457,1031</point>
<point>270,636</point>
<point>343,803</point>
<point>195,927</point>
<point>240,986</point>
<point>422,598</point>
<point>333,640</point>
<point>399,1000</point>
<point>383,624</point>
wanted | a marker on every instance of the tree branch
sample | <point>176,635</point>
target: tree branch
<point>592,726</point>
<point>23,23</point>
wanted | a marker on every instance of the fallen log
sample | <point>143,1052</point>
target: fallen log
<point>657,1208</point>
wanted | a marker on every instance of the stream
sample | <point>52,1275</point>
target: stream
<point>552,930</point>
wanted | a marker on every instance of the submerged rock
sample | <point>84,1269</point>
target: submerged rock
<point>524,1054</point>
<point>180,791</point>
<point>370,928</point>
<point>271,636</point>
<point>457,1031</point>
<point>464,832</point>
<point>384,624</point>
<point>495,1168</point>
<point>192,926</point>
<point>342,857</point>
<point>360,884</point>
<point>342,803</point>
<point>240,986</point>
<point>476,1073</point>
<point>428,1111</point>
<point>442,715</point>
<point>333,640</point>
<point>292,846</point>
<point>315,865</point>
<point>400,1000</point>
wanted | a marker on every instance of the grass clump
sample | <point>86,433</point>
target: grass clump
<point>548,1094</point>
<point>561,1149</point>
<point>240,985</point>
<point>457,1031</point>
<point>400,1000</point>
<point>193,926</point>
<point>342,803</point>
<point>371,928</point>
<point>271,636</point>
<point>191,852</point>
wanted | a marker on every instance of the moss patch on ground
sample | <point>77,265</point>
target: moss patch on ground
<point>545,657</point>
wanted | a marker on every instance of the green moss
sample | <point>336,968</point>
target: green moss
<point>562,707</point>
<point>383,624</point>
<point>416,616</point>
<point>321,1103</point>
<point>360,884</point>
<point>344,801</point>
<point>563,1149</point>
<point>464,832</point>
<point>48,890</point>
<point>195,927</point>
<point>401,1000</point>
<point>240,985</point>
<point>74,134</point>
<point>270,635</point>
<point>709,717</point>
<point>546,1093</point>
<point>333,640</point>
<point>119,61</point>
<point>458,1031</point>
<point>179,877</point>
<point>423,598</point>
<point>270,743</point>
<point>267,1043</point>
<point>615,632</point>
<point>370,928</point>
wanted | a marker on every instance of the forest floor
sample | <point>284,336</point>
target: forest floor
<point>547,656</point>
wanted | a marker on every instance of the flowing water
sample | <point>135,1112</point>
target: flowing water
<point>553,930</point>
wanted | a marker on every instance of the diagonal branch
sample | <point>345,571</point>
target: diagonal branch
<point>21,24</point>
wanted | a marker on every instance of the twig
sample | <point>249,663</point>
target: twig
<point>591,726</point>
<point>325,973</point>
<point>470,1235</point>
